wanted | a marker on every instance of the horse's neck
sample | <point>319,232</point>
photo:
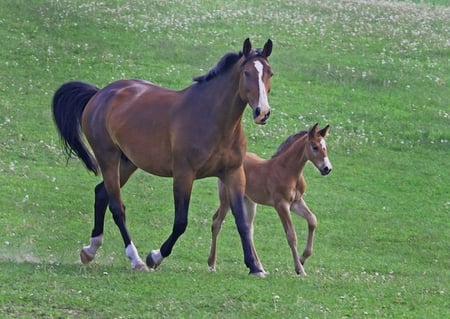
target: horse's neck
<point>223,99</point>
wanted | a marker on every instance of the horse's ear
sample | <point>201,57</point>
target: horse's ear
<point>313,131</point>
<point>247,47</point>
<point>324,132</point>
<point>267,50</point>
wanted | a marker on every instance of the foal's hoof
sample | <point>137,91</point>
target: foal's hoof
<point>301,271</point>
<point>154,259</point>
<point>212,269</point>
<point>85,257</point>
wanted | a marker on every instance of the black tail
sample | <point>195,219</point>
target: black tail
<point>69,102</point>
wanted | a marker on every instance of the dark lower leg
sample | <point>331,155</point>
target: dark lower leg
<point>237,207</point>
<point>101,203</point>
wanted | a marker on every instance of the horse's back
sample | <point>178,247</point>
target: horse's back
<point>134,117</point>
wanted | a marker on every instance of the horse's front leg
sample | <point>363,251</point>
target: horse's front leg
<point>301,209</point>
<point>282,208</point>
<point>182,188</point>
<point>235,183</point>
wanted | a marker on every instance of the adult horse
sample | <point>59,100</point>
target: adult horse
<point>188,134</point>
<point>279,182</point>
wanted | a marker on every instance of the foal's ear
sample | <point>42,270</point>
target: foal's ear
<point>324,132</point>
<point>313,131</point>
<point>267,50</point>
<point>247,47</point>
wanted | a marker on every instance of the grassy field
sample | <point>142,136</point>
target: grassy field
<point>377,71</point>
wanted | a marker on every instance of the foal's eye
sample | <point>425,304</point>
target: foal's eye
<point>315,148</point>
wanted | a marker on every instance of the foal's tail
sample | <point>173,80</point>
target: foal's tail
<point>69,102</point>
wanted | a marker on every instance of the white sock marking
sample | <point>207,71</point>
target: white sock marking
<point>156,256</point>
<point>133,255</point>
<point>94,245</point>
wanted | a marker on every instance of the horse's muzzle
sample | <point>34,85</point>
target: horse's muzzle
<point>260,118</point>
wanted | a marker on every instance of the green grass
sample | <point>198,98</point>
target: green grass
<point>377,71</point>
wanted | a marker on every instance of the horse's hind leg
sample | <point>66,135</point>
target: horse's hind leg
<point>301,209</point>
<point>216,225</point>
<point>108,192</point>
<point>87,253</point>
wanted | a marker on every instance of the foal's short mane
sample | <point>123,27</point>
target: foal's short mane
<point>225,63</point>
<point>288,142</point>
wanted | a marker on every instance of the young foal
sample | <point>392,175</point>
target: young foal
<point>279,182</point>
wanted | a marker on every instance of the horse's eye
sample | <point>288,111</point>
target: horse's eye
<point>315,148</point>
<point>246,73</point>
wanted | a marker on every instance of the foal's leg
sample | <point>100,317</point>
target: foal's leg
<point>250,208</point>
<point>216,225</point>
<point>182,188</point>
<point>282,209</point>
<point>301,209</point>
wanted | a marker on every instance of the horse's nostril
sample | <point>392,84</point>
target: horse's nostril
<point>257,112</point>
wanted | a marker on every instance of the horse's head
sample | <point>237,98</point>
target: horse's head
<point>317,151</point>
<point>255,78</point>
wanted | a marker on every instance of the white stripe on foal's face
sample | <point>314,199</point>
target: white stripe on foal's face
<point>263,102</point>
<point>326,160</point>
<point>324,144</point>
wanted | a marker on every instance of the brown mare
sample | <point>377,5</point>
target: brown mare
<point>279,182</point>
<point>188,134</point>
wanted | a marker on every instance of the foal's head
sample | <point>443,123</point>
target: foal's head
<point>254,85</point>
<point>317,151</point>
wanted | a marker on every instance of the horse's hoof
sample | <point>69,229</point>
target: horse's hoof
<point>85,257</point>
<point>260,274</point>
<point>154,259</point>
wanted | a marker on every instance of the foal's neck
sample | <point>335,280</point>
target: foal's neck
<point>294,157</point>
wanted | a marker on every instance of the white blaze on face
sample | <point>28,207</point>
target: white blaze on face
<point>263,102</point>
<point>324,144</point>
<point>326,160</point>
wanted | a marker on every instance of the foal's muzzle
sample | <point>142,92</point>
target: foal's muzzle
<point>326,170</point>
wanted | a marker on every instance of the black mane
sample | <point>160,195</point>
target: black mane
<point>225,63</point>
<point>228,60</point>
<point>288,142</point>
